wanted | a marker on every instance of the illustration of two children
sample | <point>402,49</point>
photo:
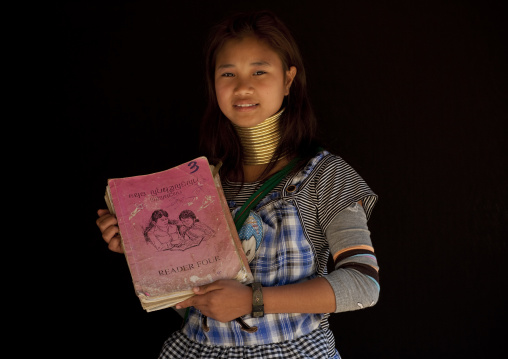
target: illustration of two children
<point>176,235</point>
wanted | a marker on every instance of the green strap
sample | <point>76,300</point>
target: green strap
<point>243,213</point>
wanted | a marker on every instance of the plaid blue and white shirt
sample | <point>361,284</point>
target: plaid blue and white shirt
<point>287,245</point>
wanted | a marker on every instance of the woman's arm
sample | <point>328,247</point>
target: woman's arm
<point>355,279</point>
<point>313,296</point>
<point>228,299</point>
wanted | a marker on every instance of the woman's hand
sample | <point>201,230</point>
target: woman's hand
<point>107,224</point>
<point>223,300</point>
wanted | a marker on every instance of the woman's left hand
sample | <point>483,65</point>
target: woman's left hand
<point>223,300</point>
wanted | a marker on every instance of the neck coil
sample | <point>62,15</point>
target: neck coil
<point>260,142</point>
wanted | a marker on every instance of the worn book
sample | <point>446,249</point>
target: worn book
<point>177,232</point>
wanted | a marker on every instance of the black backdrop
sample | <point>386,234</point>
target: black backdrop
<point>412,94</point>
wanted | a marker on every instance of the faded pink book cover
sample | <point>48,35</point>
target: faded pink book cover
<point>177,230</point>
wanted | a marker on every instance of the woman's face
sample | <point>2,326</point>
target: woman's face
<point>250,82</point>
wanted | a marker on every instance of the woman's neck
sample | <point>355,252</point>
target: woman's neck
<point>261,141</point>
<point>259,145</point>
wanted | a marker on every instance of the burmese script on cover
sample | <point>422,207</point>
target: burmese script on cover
<point>177,232</point>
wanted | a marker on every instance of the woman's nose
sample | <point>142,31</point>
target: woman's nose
<point>243,87</point>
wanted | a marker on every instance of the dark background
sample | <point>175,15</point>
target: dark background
<point>413,94</point>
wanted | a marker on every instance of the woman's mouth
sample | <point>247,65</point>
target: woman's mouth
<point>245,107</point>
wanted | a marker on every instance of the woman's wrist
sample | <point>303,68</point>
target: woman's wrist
<point>257,300</point>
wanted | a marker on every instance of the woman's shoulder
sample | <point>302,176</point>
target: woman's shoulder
<point>327,170</point>
<point>324,161</point>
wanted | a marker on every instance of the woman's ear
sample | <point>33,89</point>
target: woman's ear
<point>290,75</point>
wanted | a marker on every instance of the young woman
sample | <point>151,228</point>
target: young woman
<point>259,121</point>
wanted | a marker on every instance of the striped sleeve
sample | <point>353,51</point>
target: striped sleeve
<point>337,186</point>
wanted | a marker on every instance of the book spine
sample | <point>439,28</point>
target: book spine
<point>244,275</point>
<point>123,229</point>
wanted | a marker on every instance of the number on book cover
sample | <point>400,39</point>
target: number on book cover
<point>193,166</point>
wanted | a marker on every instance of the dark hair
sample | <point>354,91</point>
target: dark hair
<point>219,140</point>
<point>187,213</point>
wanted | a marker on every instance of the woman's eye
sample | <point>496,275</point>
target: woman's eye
<point>227,74</point>
<point>257,73</point>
